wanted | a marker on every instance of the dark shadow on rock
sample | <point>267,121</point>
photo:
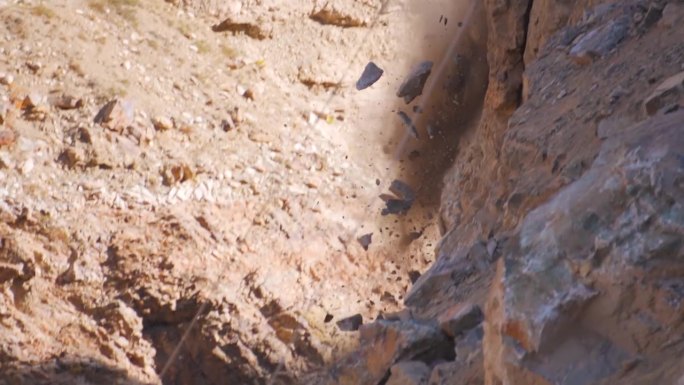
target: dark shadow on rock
<point>64,370</point>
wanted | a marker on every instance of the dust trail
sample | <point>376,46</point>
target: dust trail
<point>417,118</point>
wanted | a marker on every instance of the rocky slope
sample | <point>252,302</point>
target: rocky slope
<point>185,184</point>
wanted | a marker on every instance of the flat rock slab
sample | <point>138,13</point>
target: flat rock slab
<point>413,84</point>
<point>371,74</point>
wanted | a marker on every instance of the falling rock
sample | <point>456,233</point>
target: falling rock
<point>558,304</point>
<point>413,84</point>
<point>460,318</point>
<point>599,41</point>
<point>370,75</point>
<point>408,123</point>
<point>669,92</point>
<point>365,240</point>
<point>409,373</point>
<point>350,324</point>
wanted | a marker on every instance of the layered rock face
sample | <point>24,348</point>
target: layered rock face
<point>563,210</point>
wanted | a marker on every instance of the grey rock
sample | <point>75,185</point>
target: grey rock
<point>600,41</point>
<point>670,91</point>
<point>409,373</point>
<point>413,84</point>
<point>350,324</point>
<point>371,74</point>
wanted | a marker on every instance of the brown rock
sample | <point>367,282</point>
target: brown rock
<point>72,156</point>
<point>162,123</point>
<point>345,13</point>
<point>384,343</point>
<point>669,92</point>
<point>253,29</point>
<point>113,116</point>
<point>177,173</point>
<point>65,101</point>
<point>600,41</point>
<point>460,318</point>
<point>7,137</point>
<point>409,373</point>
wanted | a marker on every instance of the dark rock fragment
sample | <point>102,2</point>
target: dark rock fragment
<point>370,75</point>
<point>350,324</point>
<point>415,81</point>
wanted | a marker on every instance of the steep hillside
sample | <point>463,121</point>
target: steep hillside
<point>196,192</point>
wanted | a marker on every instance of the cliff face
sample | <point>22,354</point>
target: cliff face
<point>562,210</point>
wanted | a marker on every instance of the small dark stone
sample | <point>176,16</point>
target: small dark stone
<point>408,123</point>
<point>414,275</point>
<point>365,240</point>
<point>350,324</point>
<point>371,74</point>
<point>396,206</point>
<point>402,190</point>
<point>415,81</point>
<point>328,317</point>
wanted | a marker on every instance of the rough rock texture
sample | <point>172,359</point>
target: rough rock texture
<point>570,180</point>
<point>592,281</point>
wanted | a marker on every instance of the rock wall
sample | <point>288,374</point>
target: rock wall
<point>571,182</point>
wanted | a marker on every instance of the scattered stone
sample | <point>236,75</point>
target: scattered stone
<point>370,75</point>
<point>65,102</point>
<point>350,324</point>
<point>72,156</point>
<point>413,85</point>
<point>600,41</point>
<point>6,79</point>
<point>34,66</point>
<point>409,373</point>
<point>328,317</point>
<point>365,240</point>
<point>669,92</point>
<point>460,318</point>
<point>162,123</point>
<point>34,106</point>
<point>249,28</point>
<point>113,116</point>
<point>177,173</point>
<point>408,123</point>
<point>228,124</point>
<point>344,15</point>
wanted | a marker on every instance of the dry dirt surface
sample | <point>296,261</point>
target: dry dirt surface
<point>184,184</point>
